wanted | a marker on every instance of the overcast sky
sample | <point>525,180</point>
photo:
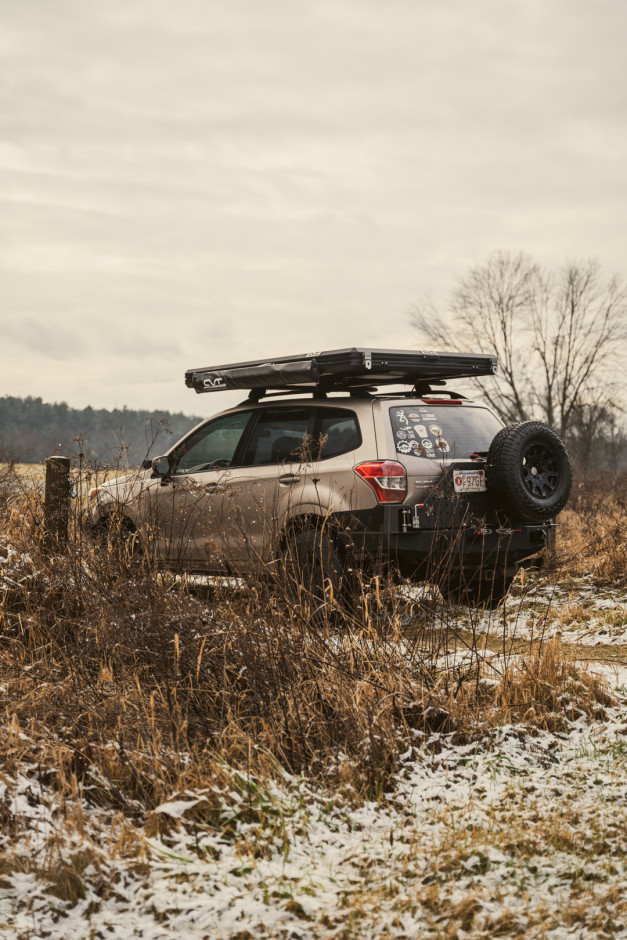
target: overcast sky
<point>195,182</point>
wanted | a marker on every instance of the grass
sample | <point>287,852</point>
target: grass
<point>122,691</point>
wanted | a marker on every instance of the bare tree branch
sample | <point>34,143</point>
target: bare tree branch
<point>556,334</point>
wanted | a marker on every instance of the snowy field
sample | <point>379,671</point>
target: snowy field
<point>514,832</point>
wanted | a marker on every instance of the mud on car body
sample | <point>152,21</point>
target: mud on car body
<point>326,464</point>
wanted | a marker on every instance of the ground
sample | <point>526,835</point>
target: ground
<point>518,828</point>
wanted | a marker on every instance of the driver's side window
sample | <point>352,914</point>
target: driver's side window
<point>213,446</point>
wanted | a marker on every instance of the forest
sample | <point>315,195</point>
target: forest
<point>31,430</point>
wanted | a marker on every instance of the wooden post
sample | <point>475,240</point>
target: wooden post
<point>57,501</point>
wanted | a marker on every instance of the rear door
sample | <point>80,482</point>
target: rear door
<point>298,459</point>
<point>275,466</point>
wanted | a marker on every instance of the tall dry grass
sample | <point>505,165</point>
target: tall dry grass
<point>128,685</point>
<point>592,538</point>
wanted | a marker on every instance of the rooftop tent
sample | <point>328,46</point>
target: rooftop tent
<point>341,369</point>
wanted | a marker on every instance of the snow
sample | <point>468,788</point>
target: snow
<point>520,831</point>
<point>446,824</point>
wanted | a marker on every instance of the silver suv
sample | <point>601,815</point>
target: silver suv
<point>327,468</point>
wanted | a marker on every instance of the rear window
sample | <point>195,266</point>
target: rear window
<point>437,431</point>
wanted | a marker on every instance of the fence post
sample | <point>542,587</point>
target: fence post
<point>57,501</point>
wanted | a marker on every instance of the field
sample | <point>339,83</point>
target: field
<point>216,763</point>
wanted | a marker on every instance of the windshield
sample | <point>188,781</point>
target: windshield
<point>436,431</point>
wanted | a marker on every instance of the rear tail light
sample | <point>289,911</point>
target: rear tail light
<point>387,478</point>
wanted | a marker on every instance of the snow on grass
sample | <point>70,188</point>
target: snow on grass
<point>580,613</point>
<point>516,833</point>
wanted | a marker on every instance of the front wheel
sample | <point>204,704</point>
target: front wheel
<point>117,539</point>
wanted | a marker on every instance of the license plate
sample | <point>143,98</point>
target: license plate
<point>469,481</point>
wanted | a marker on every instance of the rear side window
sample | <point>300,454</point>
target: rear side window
<point>279,436</point>
<point>337,432</point>
<point>442,431</point>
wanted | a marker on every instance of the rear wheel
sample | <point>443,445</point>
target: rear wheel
<point>312,569</point>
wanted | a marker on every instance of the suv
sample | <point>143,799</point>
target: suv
<point>327,467</point>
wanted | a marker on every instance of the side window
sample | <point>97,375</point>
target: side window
<point>280,436</point>
<point>213,446</point>
<point>338,432</point>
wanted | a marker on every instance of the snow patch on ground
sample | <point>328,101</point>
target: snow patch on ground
<point>521,828</point>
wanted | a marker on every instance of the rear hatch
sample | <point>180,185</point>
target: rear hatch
<point>443,445</point>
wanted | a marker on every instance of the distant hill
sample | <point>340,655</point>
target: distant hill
<point>31,430</point>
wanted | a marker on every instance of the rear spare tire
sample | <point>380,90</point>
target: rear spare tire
<point>528,473</point>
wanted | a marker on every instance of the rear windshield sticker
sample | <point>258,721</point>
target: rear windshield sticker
<point>442,432</point>
<point>403,448</point>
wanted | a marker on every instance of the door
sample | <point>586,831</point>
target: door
<point>275,466</point>
<point>185,510</point>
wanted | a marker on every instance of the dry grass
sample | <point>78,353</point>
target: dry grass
<point>128,687</point>
<point>592,538</point>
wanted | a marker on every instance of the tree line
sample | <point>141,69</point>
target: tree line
<point>31,430</point>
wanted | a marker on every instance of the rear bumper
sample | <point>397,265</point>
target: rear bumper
<point>377,536</point>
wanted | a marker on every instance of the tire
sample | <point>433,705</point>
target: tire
<point>116,537</point>
<point>312,569</point>
<point>528,473</point>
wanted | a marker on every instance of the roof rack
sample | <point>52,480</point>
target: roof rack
<point>341,370</point>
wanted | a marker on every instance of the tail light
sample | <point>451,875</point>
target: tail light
<point>387,478</point>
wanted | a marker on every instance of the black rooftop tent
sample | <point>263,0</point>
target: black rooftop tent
<point>342,369</point>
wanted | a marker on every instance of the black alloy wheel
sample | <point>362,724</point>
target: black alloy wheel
<point>540,471</point>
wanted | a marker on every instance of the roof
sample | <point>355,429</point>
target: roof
<point>342,369</point>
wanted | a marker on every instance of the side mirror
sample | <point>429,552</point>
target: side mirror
<point>161,466</point>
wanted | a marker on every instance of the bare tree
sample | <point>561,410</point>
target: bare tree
<point>556,334</point>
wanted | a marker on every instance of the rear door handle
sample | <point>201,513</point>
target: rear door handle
<point>289,479</point>
<point>212,487</point>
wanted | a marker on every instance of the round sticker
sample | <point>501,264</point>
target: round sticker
<point>403,448</point>
<point>401,435</point>
<point>442,445</point>
<point>435,429</point>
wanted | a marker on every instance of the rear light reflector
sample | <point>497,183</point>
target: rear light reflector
<point>387,478</point>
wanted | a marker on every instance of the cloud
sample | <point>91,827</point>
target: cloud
<point>204,181</point>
